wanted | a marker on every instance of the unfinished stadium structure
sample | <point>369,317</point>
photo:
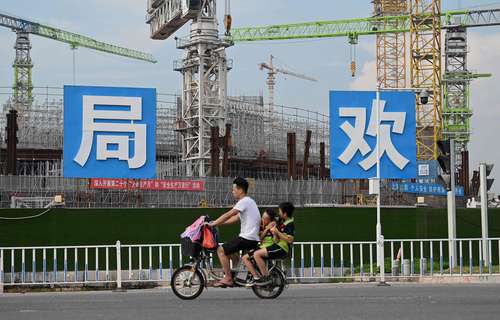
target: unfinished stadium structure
<point>260,149</point>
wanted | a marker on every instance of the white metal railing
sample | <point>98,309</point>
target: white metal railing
<point>403,258</point>
<point>346,261</point>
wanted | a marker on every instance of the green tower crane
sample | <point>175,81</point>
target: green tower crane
<point>358,27</point>
<point>456,111</point>
<point>23,65</point>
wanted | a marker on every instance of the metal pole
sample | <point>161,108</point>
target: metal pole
<point>74,64</point>
<point>452,227</point>
<point>484,211</point>
<point>118,267</point>
<point>452,212</point>
<point>380,237</point>
<point>2,272</point>
<point>379,225</point>
<point>381,258</point>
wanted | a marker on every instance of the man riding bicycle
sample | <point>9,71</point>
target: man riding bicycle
<point>247,212</point>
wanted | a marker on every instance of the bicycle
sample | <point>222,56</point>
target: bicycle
<point>188,281</point>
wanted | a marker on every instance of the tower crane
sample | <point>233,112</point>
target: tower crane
<point>204,69</point>
<point>432,119</point>
<point>423,20</point>
<point>271,78</point>
<point>23,65</point>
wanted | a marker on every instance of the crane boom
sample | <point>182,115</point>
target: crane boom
<point>75,40</point>
<point>296,75</point>
<point>424,23</point>
<point>360,27</point>
<point>271,78</point>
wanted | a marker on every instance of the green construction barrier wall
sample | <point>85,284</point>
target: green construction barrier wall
<point>142,226</point>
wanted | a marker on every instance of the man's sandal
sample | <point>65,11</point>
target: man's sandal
<point>223,284</point>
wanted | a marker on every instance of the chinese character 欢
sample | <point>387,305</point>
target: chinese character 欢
<point>356,135</point>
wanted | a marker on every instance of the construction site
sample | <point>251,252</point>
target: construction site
<point>207,135</point>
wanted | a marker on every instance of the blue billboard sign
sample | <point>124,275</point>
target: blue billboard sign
<point>353,135</point>
<point>109,132</point>
<point>424,188</point>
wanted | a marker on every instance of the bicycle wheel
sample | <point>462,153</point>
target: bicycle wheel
<point>185,284</point>
<point>272,290</point>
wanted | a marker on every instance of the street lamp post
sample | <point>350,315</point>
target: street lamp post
<point>379,226</point>
<point>485,185</point>
<point>484,212</point>
<point>380,237</point>
<point>451,208</point>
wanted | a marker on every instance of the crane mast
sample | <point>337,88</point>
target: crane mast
<point>203,67</point>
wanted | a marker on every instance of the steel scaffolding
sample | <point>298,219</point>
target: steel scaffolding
<point>41,127</point>
<point>256,135</point>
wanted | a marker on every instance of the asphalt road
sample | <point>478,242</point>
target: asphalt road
<point>297,302</point>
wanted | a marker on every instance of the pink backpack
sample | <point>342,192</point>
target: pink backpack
<point>194,231</point>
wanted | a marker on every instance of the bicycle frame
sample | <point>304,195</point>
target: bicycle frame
<point>208,271</point>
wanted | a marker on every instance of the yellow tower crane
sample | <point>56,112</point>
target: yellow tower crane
<point>391,47</point>
<point>394,20</point>
<point>425,73</point>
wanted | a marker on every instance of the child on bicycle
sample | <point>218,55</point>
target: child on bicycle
<point>268,222</point>
<point>274,245</point>
<point>269,218</point>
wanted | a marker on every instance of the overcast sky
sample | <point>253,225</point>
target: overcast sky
<point>122,22</point>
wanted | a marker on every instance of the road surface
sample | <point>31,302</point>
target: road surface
<point>360,301</point>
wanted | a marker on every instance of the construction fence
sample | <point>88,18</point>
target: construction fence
<point>79,193</point>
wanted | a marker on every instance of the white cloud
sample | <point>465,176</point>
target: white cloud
<point>367,77</point>
<point>485,97</point>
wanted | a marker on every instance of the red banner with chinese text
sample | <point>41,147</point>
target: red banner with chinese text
<point>162,185</point>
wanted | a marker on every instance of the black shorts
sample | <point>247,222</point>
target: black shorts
<point>238,244</point>
<point>276,252</point>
